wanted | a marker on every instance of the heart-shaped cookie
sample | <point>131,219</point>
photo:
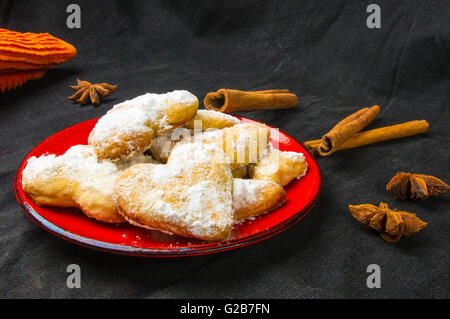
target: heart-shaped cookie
<point>190,196</point>
<point>77,179</point>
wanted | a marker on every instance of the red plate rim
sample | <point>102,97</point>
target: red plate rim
<point>209,248</point>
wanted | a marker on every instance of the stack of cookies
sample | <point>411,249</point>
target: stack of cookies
<point>158,162</point>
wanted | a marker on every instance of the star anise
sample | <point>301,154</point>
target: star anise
<point>392,224</point>
<point>415,186</point>
<point>86,91</point>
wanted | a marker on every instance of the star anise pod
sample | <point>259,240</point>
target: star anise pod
<point>392,224</point>
<point>415,186</point>
<point>86,91</point>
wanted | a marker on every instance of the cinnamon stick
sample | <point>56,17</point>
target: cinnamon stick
<point>346,128</point>
<point>376,135</point>
<point>227,101</point>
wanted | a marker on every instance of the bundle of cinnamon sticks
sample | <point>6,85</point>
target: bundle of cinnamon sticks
<point>347,133</point>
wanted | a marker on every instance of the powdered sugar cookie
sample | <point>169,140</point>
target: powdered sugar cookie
<point>190,196</point>
<point>255,197</point>
<point>129,127</point>
<point>76,179</point>
<point>279,167</point>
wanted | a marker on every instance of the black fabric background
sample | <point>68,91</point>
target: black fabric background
<point>322,51</point>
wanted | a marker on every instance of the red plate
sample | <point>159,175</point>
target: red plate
<point>74,226</point>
